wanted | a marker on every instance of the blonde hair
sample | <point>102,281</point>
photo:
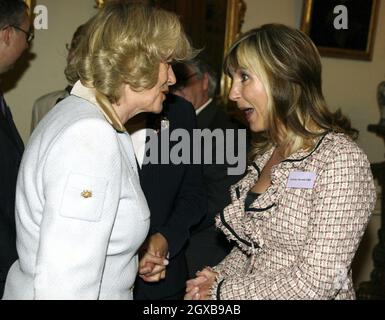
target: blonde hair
<point>124,44</point>
<point>288,64</point>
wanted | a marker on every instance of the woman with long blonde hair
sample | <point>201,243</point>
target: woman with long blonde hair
<point>299,214</point>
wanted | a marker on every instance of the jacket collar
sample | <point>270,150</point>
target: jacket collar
<point>296,158</point>
<point>89,94</point>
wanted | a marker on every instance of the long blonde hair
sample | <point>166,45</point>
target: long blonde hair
<point>288,64</point>
<point>124,44</point>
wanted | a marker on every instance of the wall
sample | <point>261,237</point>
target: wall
<point>348,84</point>
<point>44,72</point>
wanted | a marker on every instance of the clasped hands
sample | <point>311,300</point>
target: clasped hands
<point>153,258</point>
<point>199,288</point>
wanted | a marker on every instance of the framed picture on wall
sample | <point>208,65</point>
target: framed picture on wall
<point>30,5</point>
<point>341,28</point>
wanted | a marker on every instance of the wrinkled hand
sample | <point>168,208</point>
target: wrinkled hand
<point>153,260</point>
<point>199,288</point>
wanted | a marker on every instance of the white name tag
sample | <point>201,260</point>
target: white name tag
<point>301,180</point>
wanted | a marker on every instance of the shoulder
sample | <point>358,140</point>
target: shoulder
<point>337,148</point>
<point>179,109</point>
<point>77,121</point>
<point>51,97</point>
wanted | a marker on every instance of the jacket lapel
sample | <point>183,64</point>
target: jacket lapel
<point>206,116</point>
<point>9,128</point>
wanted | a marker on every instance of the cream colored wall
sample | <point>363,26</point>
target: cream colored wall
<point>45,71</point>
<point>348,84</point>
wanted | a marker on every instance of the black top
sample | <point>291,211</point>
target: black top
<point>11,150</point>
<point>176,199</point>
<point>250,198</point>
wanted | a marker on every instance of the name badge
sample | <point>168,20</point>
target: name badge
<point>301,180</point>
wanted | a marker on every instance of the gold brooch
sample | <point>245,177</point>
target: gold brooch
<point>86,194</point>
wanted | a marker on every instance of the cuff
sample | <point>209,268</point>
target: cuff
<point>215,291</point>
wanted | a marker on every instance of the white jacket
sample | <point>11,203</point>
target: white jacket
<point>80,212</point>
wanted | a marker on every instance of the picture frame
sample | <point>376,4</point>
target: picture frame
<point>354,42</point>
<point>30,4</point>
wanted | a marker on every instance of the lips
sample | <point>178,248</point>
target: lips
<point>248,112</point>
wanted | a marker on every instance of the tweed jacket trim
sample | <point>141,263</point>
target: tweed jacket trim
<point>239,192</point>
<point>295,241</point>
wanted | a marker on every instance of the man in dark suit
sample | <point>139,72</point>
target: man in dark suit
<point>14,39</point>
<point>176,198</point>
<point>197,83</point>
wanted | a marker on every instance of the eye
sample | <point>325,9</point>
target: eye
<point>244,76</point>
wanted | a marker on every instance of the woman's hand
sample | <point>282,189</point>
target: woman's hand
<point>153,261</point>
<point>199,288</point>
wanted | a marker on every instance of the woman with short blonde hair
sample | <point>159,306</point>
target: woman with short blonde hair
<point>81,214</point>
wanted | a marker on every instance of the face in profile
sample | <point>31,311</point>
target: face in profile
<point>134,102</point>
<point>191,87</point>
<point>249,93</point>
<point>16,43</point>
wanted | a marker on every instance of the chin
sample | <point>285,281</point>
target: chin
<point>256,128</point>
<point>158,109</point>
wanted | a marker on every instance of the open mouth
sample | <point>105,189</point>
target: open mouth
<point>248,112</point>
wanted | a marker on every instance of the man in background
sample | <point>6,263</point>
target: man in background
<point>175,196</point>
<point>15,37</point>
<point>197,83</point>
<point>45,103</point>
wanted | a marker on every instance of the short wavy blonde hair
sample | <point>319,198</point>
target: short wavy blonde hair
<point>124,44</point>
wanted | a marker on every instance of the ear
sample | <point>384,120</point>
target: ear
<point>5,35</point>
<point>206,81</point>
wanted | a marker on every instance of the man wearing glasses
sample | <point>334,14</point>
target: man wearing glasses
<point>15,38</point>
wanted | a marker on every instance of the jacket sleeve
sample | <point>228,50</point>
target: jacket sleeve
<point>344,198</point>
<point>234,263</point>
<point>81,186</point>
<point>191,201</point>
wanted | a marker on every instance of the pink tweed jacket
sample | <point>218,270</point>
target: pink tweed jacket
<point>298,243</point>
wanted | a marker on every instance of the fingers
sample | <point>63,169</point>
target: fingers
<point>207,273</point>
<point>158,273</point>
<point>149,262</point>
<point>146,267</point>
<point>155,260</point>
<point>152,268</point>
<point>154,278</point>
<point>192,294</point>
<point>156,270</point>
<point>190,284</point>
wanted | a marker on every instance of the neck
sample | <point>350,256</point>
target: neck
<point>136,123</point>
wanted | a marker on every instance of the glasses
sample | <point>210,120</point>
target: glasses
<point>30,35</point>
<point>182,81</point>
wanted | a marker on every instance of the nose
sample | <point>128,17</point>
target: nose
<point>234,92</point>
<point>171,77</point>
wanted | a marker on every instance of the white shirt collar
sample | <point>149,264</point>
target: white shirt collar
<point>83,92</point>
<point>198,111</point>
<point>89,94</point>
